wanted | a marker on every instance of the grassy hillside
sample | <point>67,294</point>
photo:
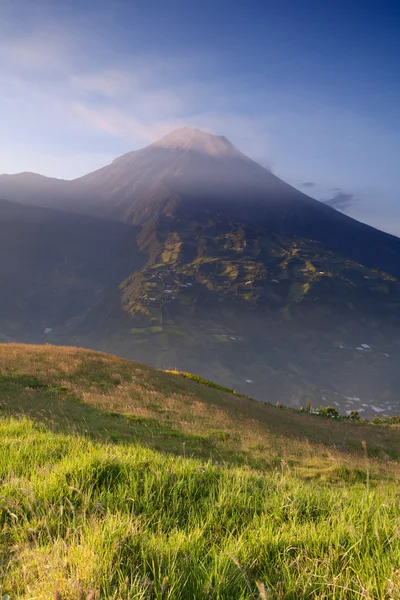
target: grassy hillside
<point>122,482</point>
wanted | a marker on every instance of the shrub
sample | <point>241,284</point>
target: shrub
<point>354,415</point>
<point>328,411</point>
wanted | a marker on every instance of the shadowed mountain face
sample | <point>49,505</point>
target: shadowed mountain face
<point>55,267</point>
<point>203,260</point>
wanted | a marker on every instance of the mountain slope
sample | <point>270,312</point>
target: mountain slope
<point>268,315</point>
<point>196,175</point>
<point>55,266</point>
<point>119,481</point>
<point>106,384</point>
<point>31,188</point>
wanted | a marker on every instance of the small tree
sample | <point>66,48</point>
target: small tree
<point>328,411</point>
<point>308,405</point>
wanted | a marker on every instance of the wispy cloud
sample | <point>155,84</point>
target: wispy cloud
<point>67,73</point>
<point>72,83</point>
<point>117,123</point>
<point>342,201</point>
<point>41,53</point>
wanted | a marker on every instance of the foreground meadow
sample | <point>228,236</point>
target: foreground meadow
<point>122,482</point>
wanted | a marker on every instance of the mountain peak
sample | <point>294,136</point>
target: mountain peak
<point>186,138</point>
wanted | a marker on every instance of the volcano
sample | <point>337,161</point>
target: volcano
<point>197,174</point>
<point>213,264</point>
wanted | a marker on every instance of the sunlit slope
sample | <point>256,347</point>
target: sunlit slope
<point>120,481</point>
<point>66,387</point>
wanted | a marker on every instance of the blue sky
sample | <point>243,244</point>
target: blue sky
<point>308,88</point>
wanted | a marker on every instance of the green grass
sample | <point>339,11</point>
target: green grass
<point>199,379</point>
<point>122,482</point>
